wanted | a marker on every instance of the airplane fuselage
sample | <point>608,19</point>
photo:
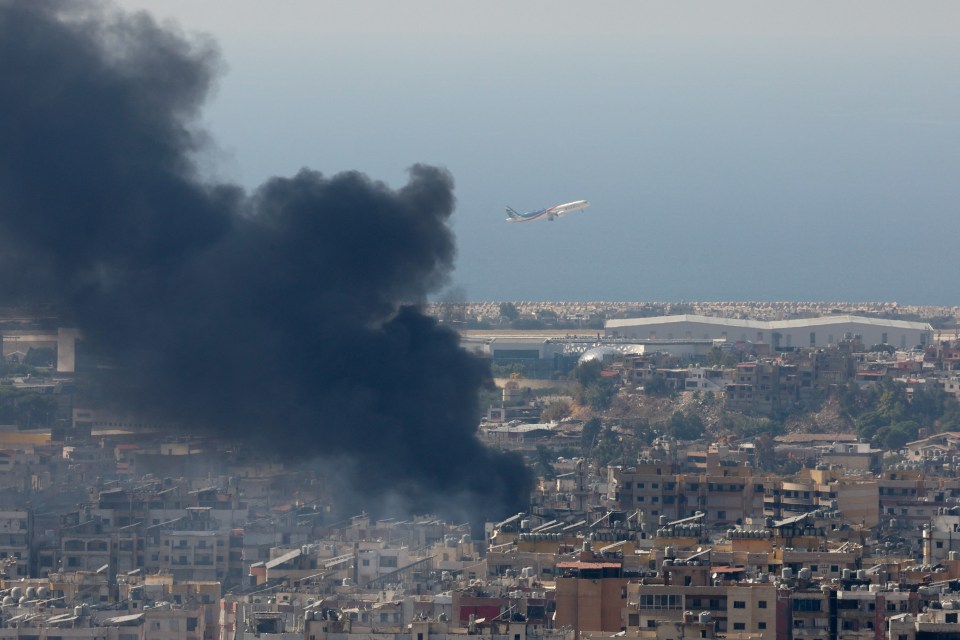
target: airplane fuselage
<point>549,213</point>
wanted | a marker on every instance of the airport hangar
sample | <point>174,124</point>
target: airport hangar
<point>804,332</point>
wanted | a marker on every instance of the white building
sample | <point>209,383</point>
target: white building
<point>805,332</point>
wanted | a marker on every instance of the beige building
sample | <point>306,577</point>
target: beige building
<point>747,608</point>
<point>590,595</point>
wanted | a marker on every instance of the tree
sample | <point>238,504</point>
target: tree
<point>588,436</point>
<point>543,463</point>
<point>685,426</point>
<point>40,357</point>
<point>608,447</point>
<point>555,411</point>
<point>657,386</point>
<point>509,311</point>
<point>593,390</point>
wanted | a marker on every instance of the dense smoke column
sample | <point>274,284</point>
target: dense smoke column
<point>281,318</point>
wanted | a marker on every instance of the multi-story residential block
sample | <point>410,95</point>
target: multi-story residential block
<point>16,542</point>
<point>590,593</point>
<point>735,608</point>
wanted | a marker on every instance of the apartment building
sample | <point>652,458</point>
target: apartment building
<point>590,594</point>
<point>16,542</point>
<point>747,608</point>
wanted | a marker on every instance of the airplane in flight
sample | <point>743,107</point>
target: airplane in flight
<point>549,213</point>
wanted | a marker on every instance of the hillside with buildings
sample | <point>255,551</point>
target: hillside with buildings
<point>711,486</point>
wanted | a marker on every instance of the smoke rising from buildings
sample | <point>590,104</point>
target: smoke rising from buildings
<point>277,318</point>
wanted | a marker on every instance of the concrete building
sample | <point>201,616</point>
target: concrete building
<point>590,594</point>
<point>806,332</point>
<point>746,608</point>
<point>16,542</point>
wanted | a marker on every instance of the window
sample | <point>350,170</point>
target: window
<point>659,601</point>
<point>761,625</point>
<point>950,618</point>
<point>739,626</point>
<point>806,604</point>
<point>762,604</point>
<point>651,624</point>
<point>739,604</point>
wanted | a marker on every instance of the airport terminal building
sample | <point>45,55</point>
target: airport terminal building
<point>805,332</point>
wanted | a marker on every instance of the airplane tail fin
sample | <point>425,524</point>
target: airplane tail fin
<point>513,214</point>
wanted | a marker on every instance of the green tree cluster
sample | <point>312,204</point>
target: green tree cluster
<point>685,426</point>
<point>885,415</point>
<point>657,386</point>
<point>593,390</point>
<point>555,411</point>
<point>26,409</point>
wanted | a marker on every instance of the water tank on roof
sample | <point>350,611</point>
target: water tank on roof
<point>42,592</point>
<point>804,573</point>
<point>787,573</point>
<point>704,617</point>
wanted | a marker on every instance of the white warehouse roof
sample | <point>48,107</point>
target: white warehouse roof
<point>772,325</point>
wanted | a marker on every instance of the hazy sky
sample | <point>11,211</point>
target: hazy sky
<point>731,150</point>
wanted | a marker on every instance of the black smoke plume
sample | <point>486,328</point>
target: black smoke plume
<point>278,318</point>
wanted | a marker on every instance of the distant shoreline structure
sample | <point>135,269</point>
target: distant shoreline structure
<point>490,311</point>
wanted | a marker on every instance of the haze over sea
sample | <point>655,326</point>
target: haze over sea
<point>736,150</point>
